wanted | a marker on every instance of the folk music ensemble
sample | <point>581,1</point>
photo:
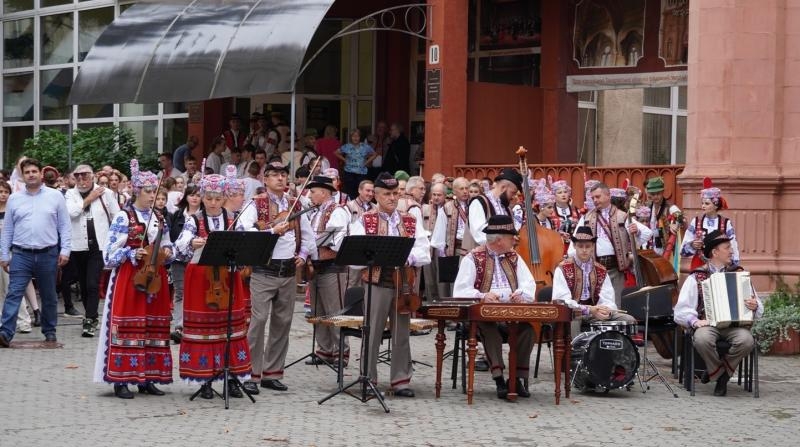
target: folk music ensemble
<point>470,228</point>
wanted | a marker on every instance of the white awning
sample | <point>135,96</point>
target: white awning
<point>181,50</point>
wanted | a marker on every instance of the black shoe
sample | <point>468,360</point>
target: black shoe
<point>88,328</point>
<point>314,360</point>
<point>206,392</point>
<point>522,389</point>
<point>481,365</point>
<point>150,388</point>
<point>37,318</point>
<point>273,384</point>
<point>234,391</point>
<point>704,377</point>
<point>405,392</point>
<point>251,387</point>
<point>50,338</point>
<point>4,342</point>
<point>122,392</point>
<point>72,312</point>
<point>176,336</point>
<point>722,385</point>
<point>502,389</point>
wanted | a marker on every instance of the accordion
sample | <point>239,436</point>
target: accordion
<point>723,296</point>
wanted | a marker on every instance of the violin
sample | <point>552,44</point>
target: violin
<point>148,278</point>
<point>284,216</point>
<point>407,301</point>
<point>218,291</point>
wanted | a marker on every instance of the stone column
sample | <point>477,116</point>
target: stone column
<point>744,126</point>
<point>445,127</point>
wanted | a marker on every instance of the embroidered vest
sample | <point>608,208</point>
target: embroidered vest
<point>325,253</point>
<point>356,210</point>
<point>375,226</point>
<point>484,271</point>
<point>137,233</point>
<point>429,214</point>
<point>619,235</point>
<point>574,276</point>
<point>722,224</point>
<point>202,224</point>
<point>266,210</point>
<point>453,213</point>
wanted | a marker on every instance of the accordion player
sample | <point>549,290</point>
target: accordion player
<point>691,311</point>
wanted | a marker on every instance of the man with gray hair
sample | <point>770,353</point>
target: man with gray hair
<point>448,231</point>
<point>90,208</point>
<point>430,213</point>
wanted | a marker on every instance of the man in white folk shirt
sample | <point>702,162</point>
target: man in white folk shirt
<point>273,285</point>
<point>430,213</point>
<point>613,247</point>
<point>448,233</point>
<point>386,220</point>
<point>582,283</point>
<point>496,201</point>
<point>329,224</point>
<point>690,313</point>
<point>511,282</point>
<point>357,207</point>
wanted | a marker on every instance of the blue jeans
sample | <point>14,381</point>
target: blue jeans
<point>24,266</point>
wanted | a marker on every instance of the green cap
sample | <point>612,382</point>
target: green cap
<point>655,184</point>
<point>401,175</point>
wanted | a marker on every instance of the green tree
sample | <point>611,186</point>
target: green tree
<point>98,146</point>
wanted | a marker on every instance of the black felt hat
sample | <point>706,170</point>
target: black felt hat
<point>386,181</point>
<point>512,176</point>
<point>583,234</point>
<point>322,182</point>
<point>500,224</point>
<point>713,239</point>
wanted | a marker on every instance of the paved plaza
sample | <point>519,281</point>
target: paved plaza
<point>49,400</point>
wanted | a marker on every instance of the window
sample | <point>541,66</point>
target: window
<point>504,41</point>
<point>587,127</point>
<point>41,52</point>
<point>664,125</point>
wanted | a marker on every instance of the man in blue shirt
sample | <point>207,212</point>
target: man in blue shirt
<point>182,151</point>
<point>37,232</point>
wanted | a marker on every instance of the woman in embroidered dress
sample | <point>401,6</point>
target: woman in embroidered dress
<point>234,205</point>
<point>134,336</point>
<point>206,300</point>
<point>711,203</point>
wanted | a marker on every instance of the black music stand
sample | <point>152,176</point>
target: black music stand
<point>643,296</point>
<point>231,249</point>
<point>372,251</point>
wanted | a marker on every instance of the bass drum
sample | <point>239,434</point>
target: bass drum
<point>603,361</point>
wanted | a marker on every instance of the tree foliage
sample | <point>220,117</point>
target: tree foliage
<point>98,146</point>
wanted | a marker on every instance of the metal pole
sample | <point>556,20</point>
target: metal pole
<point>69,139</point>
<point>291,135</point>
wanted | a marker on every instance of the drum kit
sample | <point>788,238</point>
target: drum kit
<point>606,358</point>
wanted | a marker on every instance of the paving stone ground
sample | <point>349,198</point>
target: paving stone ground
<point>48,398</point>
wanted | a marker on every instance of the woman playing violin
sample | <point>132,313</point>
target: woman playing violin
<point>206,298</point>
<point>134,335</point>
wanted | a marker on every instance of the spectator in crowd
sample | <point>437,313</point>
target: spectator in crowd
<point>396,156</point>
<point>233,137</point>
<point>214,160</point>
<point>251,182</point>
<point>238,164</point>
<point>182,151</point>
<point>356,156</point>
<point>165,162</point>
<point>90,209</point>
<point>37,231</point>
<point>328,145</point>
<point>191,170</point>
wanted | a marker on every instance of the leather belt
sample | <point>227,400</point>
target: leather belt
<point>282,268</point>
<point>609,262</point>
<point>32,250</point>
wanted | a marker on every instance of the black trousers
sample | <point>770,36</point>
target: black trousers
<point>88,267</point>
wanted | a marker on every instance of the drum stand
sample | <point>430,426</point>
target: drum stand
<point>313,354</point>
<point>647,363</point>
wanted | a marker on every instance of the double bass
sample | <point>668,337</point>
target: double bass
<point>541,248</point>
<point>650,269</point>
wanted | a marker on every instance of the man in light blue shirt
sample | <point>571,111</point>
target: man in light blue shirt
<point>35,240</point>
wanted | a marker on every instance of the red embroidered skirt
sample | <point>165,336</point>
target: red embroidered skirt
<point>137,349</point>
<point>205,322</point>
